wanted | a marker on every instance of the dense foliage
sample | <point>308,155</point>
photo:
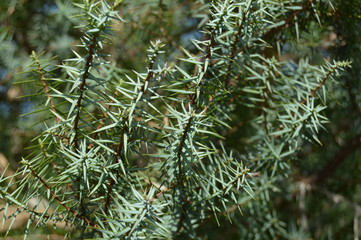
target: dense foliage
<point>181,119</point>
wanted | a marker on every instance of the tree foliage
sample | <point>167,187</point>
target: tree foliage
<point>170,118</point>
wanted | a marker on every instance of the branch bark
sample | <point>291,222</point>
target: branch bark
<point>273,31</point>
<point>328,170</point>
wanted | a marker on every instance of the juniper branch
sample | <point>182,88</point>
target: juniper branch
<point>84,76</point>
<point>75,214</point>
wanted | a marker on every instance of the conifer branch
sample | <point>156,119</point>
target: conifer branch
<point>84,76</point>
<point>310,95</point>
<point>75,214</point>
<point>24,207</point>
<point>43,81</point>
<point>124,130</point>
<point>116,160</point>
<point>207,65</point>
<point>180,149</point>
<point>314,91</point>
<point>233,51</point>
<point>288,21</point>
<point>180,175</point>
<point>102,120</point>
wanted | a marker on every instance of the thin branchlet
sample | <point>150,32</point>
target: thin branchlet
<point>310,95</point>
<point>232,56</point>
<point>45,85</point>
<point>125,130</point>
<point>306,6</point>
<point>47,187</point>
<point>84,76</point>
<point>322,83</point>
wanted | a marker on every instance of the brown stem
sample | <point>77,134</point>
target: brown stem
<point>204,60</point>
<point>62,136</point>
<point>39,214</point>
<point>116,160</point>
<point>233,51</point>
<point>85,219</point>
<point>313,92</point>
<point>180,148</point>
<point>45,85</point>
<point>46,88</point>
<point>124,130</point>
<point>193,100</point>
<point>332,165</point>
<point>273,31</point>
<point>287,22</point>
<point>84,76</point>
